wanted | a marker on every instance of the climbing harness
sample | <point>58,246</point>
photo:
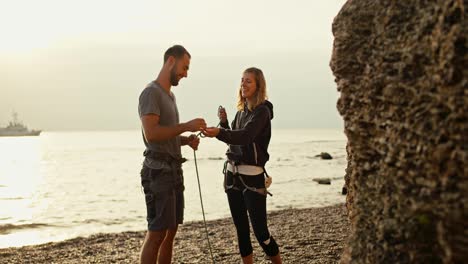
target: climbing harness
<point>237,170</point>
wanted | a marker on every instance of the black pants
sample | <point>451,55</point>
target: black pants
<point>245,204</point>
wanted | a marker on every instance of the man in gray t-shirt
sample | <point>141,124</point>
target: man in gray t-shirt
<point>161,175</point>
<point>154,100</point>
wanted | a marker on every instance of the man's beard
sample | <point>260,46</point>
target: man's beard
<point>174,80</point>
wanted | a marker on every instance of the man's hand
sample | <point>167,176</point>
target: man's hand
<point>197,124</point>
<point>211,131</point>
<point>193,141</point>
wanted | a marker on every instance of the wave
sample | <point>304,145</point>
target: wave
<point>286,181</point>
<point>208,158</point>
<point>11,198</point>
<point>9,228</point>
<point>283,159</point>
<point>107,222</point>
<point>211,158</point>
<point>215,158</point>
<point>338,178</point>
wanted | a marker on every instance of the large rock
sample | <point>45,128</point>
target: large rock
<point>401,68</point>
<point>322,180</point>
<point>324,155</point>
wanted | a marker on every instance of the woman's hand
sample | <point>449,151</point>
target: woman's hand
<point>211,132</point>
<point>222,115</point>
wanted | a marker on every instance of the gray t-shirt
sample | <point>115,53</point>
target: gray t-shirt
<point>155,100</point>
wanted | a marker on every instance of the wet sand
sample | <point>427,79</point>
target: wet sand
<point>312,235</point>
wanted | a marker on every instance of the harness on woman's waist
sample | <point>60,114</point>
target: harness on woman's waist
<point>262,191</point>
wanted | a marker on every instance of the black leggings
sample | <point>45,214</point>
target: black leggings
<point>242,201</point>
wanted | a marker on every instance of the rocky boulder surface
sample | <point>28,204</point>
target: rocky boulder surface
<point>401,69</point>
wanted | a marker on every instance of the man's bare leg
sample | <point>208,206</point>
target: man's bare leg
<point>151,245</point>
<point>165,251</point>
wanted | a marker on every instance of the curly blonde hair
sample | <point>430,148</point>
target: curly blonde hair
<point>260,93</point>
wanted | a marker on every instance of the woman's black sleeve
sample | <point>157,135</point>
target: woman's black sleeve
<point>247,134</point>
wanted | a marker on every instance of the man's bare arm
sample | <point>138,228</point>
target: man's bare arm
<point>156,133</point>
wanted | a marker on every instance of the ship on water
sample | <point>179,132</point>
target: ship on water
<point>16,128</point>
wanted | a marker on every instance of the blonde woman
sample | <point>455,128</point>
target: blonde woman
<point>247,154</point>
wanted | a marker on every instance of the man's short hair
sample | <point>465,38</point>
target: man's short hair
<point>177,51</point>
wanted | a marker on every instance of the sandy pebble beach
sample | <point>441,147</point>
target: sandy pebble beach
<point>313,235</point>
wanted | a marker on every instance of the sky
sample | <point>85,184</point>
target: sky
<point>81,65</point>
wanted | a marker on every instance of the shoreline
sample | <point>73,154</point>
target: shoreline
<point>311,235</point>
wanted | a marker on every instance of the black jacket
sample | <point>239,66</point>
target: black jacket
<point>250,135</point>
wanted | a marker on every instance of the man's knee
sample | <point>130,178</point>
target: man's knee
<point>156,237</point>
<point>171,233</point>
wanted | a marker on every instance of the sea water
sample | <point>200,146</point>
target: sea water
<point>61,185</point>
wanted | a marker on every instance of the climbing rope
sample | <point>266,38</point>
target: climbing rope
<point>201,199</point>
<point>203,210</point>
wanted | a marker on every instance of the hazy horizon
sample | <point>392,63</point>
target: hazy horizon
<point>82,65</point>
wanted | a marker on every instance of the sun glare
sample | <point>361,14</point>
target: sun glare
<point>20,176</point>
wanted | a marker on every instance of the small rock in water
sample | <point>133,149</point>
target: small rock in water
<point>344,191</point>
<point>324,155</point>
<point>322,180</point>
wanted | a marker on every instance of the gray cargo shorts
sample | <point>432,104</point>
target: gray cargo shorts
<point>164,196</point>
